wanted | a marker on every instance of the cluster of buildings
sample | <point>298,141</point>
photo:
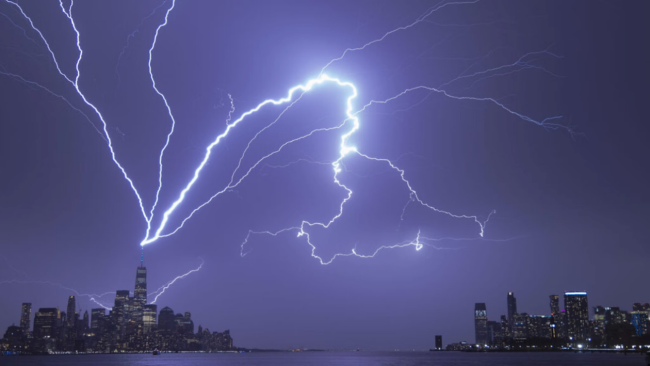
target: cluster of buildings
<point>131,325</point>
<point>569,327</point>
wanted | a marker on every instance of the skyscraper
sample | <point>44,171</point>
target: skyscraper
<point>599,321</point>
<point>504,327</point>
<point>577,315</point>
<point>555,304</point>
<point>45,322</point>
<point>121,311</point>
<point>480,323</point>
<point>71,311</point>
<point>149,317</point>
<point>95,315</point>
<point>166,319</point>
<point>84,322</point>
<point>25,316</point>
<point>512,310</point>
<point>438,343</point>
<point>140,293</point>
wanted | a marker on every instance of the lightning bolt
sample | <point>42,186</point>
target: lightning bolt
<point>75,84</point>
<point>352,121</point>
<point>132,35</point>
<point>163,288</point>
<point>91,297</point>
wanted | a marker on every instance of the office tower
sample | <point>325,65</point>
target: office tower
<point>95,315</point>
<point>166,319</point>
<point>480,323</point>
<point>149,318</point>
<point>45,322</point>
<point>577,315</point>
<point>188,324</point>
<point>84,322</point>
<point>512,310</point>
<point>121,313</point>
<point>438,342</point>
<point>140,293</point>
<point>71,311</point>
<point>25,316</point>
<point>495,334</point>
<point>555,304</point>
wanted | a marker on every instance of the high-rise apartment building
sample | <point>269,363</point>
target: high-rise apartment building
<point>599,321</point>
<point>25,316</point>
<point>480,323</point>
<point>577,315</point>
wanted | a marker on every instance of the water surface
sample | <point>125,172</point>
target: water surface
<point>337,358</point>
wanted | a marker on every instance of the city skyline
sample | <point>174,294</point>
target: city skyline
<point>572,327</point>
<point>452,182</point>
<point>130,325</point>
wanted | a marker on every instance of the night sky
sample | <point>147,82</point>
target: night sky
<point>572,203</point>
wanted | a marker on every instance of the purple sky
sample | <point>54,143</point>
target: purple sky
<point>571,208</point>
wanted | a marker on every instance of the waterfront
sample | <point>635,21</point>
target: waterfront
<point>337,358</point>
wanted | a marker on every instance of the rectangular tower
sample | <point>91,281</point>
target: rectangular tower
<point>95,315</point>
<point>512,310</point>
<point>71,311</point>
<point>25,316</point>
<point>438,343</point>
<point>577,315</point>
<point>149,318</point>
<point>140,293</point>
<point>480,323</point>
<point>555,304</point>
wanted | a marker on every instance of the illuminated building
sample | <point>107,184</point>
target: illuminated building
<point>539,326</point>
<point>140,293</point>
<point>505,327</point>
<point>45,322</point>
<point>577,315</point>
<point>512,310</point>
<point>520,326</point>
<point>555,304</point>
<point>599,321</point>
<point>438,343</point>
<point>149,318</point>
<point>95,315</point>
<point>25,316</point>
<point>120,313</point>
<point>639,320</point>
<point>480,323</point>
<point>71,311</point>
